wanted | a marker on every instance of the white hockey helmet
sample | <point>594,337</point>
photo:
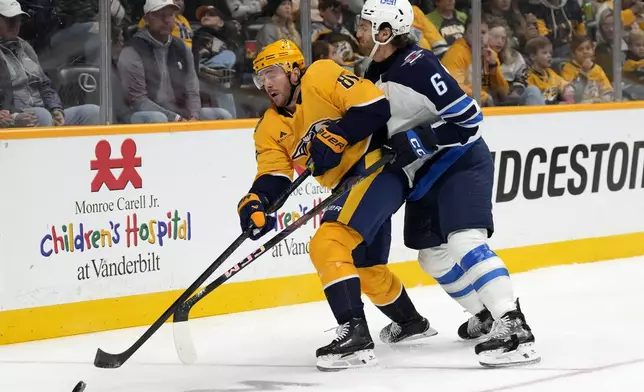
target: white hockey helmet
<point>399,14</point>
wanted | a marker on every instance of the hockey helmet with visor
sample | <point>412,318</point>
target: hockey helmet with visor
<point>280,56</point>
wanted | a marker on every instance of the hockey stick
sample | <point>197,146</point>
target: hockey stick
<point>107,360</point>
<point>183,341</point>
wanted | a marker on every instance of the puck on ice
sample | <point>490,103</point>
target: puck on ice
<point>80,387</point>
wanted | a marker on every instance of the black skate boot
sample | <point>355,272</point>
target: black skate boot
<point>415,329</point>
<point>510,342</point>
<point>477,326</point>
<point>352,348</point>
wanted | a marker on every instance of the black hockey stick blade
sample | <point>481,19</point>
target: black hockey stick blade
<point>111,361</point>
<point>183,341</point>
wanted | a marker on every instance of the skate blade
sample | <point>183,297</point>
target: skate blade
<point>525,354</point>
<point>337,362</point>
<point>427,334</point>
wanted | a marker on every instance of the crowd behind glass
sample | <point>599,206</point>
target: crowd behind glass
<point>65,62</point>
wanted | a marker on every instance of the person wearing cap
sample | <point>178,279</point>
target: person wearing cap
<point>214,44</point>
<point>158,73</point>
<point>281,25</point>
<point>182,28</point>
<point>24,87</point>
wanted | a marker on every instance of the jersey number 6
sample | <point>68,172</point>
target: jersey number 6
<point>439,84</point>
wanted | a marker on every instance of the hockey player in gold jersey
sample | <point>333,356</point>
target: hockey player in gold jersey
<point>326,118</point>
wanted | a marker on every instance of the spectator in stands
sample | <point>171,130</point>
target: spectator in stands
<point>324,50</point>
<point>331,30</point>
<point>634,65</point>
<point>24,85</point>
<point>158,73</point>
<point>182,28</point>
<point>604,38</point>
<point>243,9</point>
<point>509,11</point>
<point>558,20</point>
<point>122,112</point>
<point>214,44</point>
<point>532,30</point>
<point>458,61</point>
<point>425,33</point>
<point>17,120</point>
<point>79,38</point>
<point>590,81</point>
<point>513,66</point>
<point>449,21</point>
<point>554,88</point>
<point>632,12</point>
<point>281,25</point>
<point>315,12</point>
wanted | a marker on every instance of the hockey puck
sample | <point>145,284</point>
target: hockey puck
<point>80,387</point>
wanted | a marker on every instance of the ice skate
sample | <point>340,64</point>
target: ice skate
<point>477,326</point>
<point>510,343</point>
<point>416,329</point>
<point>352,348</point>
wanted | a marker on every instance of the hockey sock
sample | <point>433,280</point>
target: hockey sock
<point>344,299</point>
<point>401,310</point>
<point>437,263</point>
<point>484,269</point>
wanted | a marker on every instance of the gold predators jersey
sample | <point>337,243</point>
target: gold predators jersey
<point>634,68</point>
<point>596,85</point>
<point>550,84</point>
<point>328,92</point>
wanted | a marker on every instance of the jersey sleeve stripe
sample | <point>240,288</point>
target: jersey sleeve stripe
<point>470,116</point>
<point>368,102</point>
<point>475,120</point>
<point>456,106</point>
<point>278,175</point>
<point>456,114</point>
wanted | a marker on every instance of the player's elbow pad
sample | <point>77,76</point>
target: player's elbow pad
<point>360,122</point>
<point>270,186</point>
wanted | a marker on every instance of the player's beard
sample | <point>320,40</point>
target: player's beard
<point>366,45</point>
<point>281,99</point>
<point>278,99</point>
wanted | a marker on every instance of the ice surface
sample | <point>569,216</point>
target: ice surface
<point>587,320</point>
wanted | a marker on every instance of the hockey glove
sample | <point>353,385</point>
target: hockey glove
<point>326,149</point>
<point>252,213</point>
<point>412,145</point>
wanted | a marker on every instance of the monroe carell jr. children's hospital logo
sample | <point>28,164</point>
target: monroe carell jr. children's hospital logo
<point>126,216</point>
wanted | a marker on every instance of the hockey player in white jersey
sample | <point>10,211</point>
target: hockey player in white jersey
<point>434,129</point>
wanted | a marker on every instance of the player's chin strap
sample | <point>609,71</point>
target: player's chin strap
<point>294,93</point>
<point>376,44</point>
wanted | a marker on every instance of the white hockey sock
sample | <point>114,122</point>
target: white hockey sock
<point>484,269</point>
<point>437,263</point>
